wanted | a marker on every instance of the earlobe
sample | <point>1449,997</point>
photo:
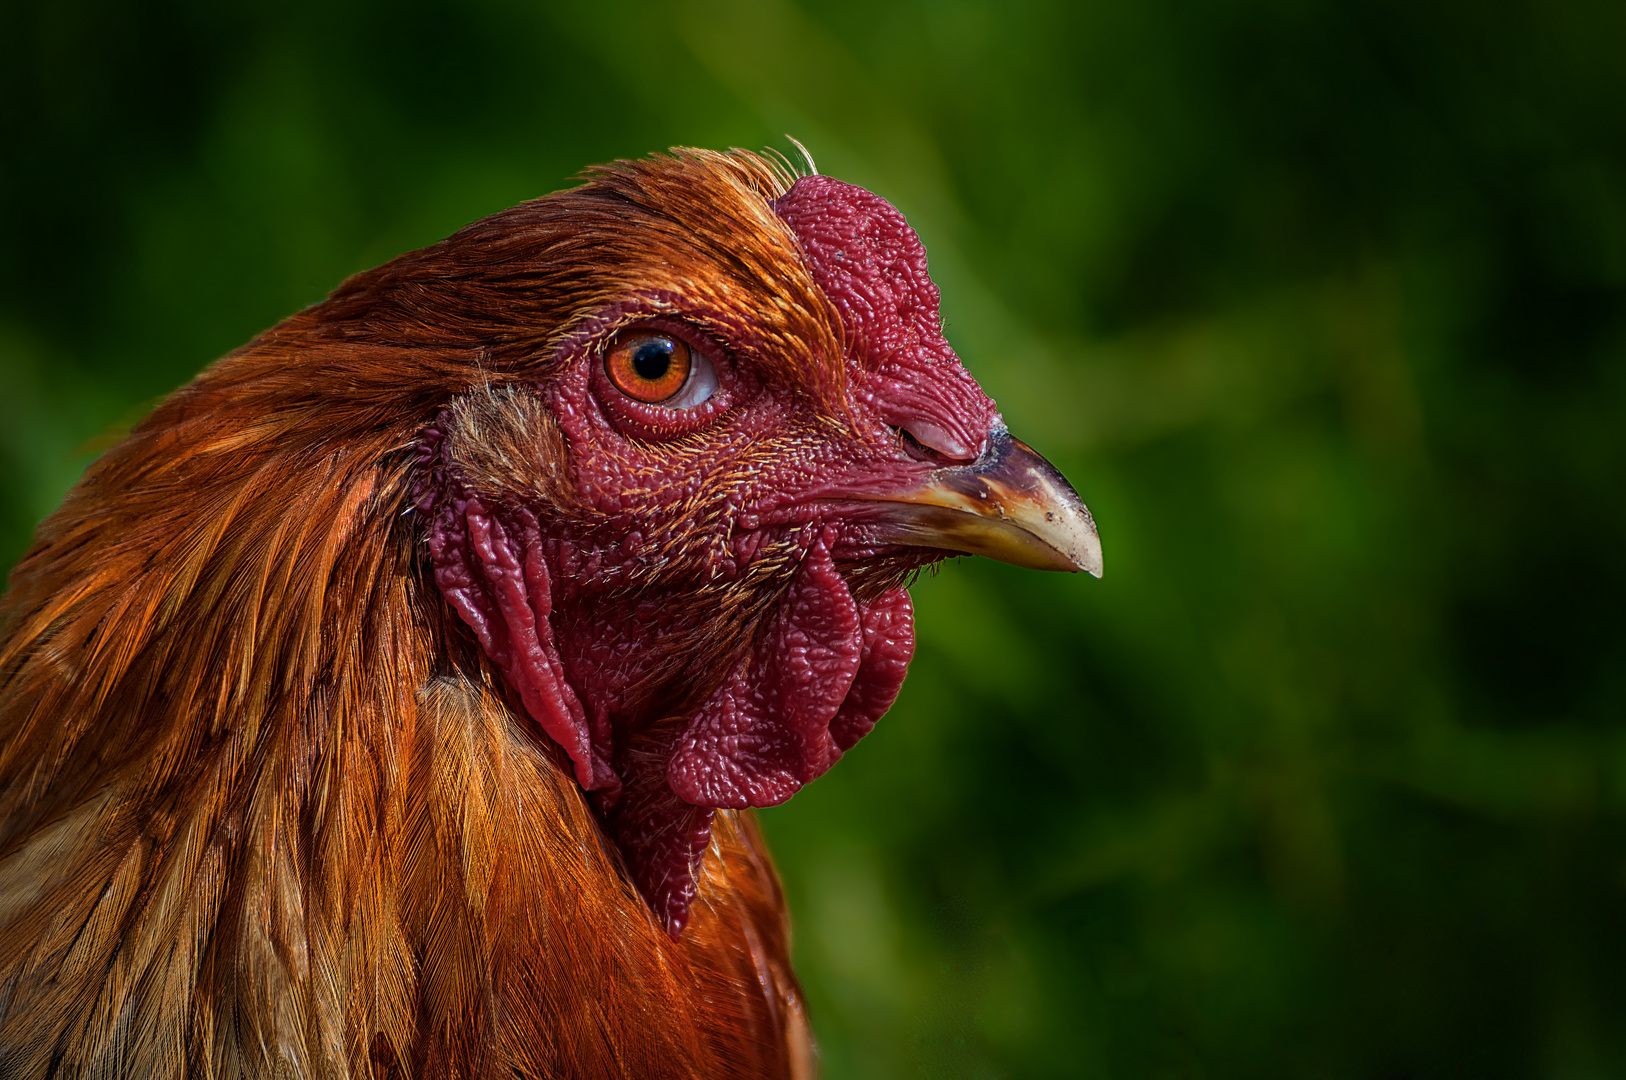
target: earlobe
<point>490,568</point>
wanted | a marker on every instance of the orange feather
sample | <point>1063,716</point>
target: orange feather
<point>265,808</point>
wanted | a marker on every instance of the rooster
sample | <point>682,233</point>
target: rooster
<point>389,702</point>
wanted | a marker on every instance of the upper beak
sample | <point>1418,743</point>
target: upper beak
<point>1010,504</point>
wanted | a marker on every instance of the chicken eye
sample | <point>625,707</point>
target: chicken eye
<point>659,369</point>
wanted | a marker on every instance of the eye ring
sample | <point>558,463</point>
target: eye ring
<point>657,368</point>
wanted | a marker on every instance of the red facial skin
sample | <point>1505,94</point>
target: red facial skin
<point>714,624</point>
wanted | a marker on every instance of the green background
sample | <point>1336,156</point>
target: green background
<point>1322,306</point>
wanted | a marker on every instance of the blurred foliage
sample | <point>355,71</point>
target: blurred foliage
<point>1322,306</point>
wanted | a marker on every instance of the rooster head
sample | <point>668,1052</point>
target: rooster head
<point>716,430</point>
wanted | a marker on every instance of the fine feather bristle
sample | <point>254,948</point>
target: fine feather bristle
<point>264,806</point>
<point>812,169</point>
<point>788,170</point>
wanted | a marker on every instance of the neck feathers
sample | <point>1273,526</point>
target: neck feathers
<point>263,808</point>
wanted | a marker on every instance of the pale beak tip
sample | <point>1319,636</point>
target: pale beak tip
<point>1011,505</point>
<point>1092,565</point>
<point>1087,556</point>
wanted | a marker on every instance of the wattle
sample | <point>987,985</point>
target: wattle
<point>814,683</point>
<point>815,679</point>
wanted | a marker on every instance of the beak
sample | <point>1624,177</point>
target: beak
<point>1010,504</point>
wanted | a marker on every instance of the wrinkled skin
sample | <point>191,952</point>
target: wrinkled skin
<point>700,613</point>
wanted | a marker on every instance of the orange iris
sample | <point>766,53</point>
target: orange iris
<point>647,365</point>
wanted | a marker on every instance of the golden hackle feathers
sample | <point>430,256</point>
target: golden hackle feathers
<point>264,807</point>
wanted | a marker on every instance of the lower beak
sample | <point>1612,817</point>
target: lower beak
<point>1010,504</point>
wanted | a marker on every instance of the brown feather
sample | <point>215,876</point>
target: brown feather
<point>264,808</point>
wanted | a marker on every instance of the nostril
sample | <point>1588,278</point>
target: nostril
<point>927,442</point>
<point>914,447</point>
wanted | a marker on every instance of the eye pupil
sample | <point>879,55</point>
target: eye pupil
<point>652,367</point>
<point>653,359</point>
